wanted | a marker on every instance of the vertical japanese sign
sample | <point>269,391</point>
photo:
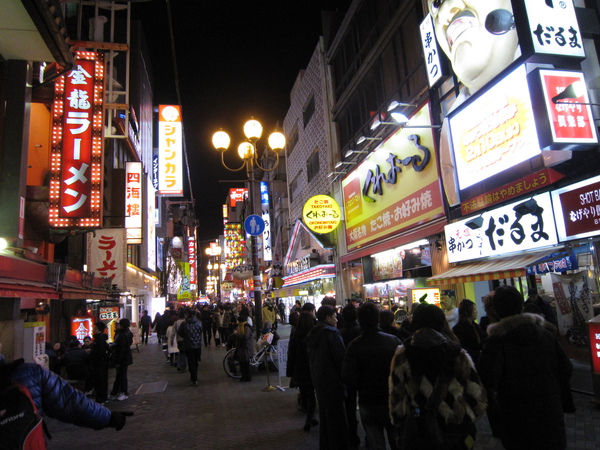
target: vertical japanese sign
<point>77,136</point>
<point>433,61</point>
<point>149,221</point>
<point>170,150</point>
<point>106,254</point>
<point>133,202</point>
<point>193,262</point>
<point>264,206</point>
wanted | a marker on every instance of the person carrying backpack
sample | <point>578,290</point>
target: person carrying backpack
<point>435,395</point>
<point>28,392</point>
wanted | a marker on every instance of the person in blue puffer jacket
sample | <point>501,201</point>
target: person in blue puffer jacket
<point>56,398</point>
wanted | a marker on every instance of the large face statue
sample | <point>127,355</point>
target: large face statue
<point>478,36</point>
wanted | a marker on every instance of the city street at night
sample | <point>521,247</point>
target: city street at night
<point>222,413</point>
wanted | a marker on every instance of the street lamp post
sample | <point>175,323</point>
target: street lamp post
<point>249,154</point>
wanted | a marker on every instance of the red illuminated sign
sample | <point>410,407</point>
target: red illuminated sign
<point>77,135</point>
<point>237,195</point>
<point>577,209</point>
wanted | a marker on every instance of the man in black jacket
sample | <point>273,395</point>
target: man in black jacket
<point>527,376</point>
<point>123,359</point>
<point>326,350</point>
<point>366,369</point>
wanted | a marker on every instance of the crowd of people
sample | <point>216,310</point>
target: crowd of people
<point>422,378</point>
<point>418,379</point>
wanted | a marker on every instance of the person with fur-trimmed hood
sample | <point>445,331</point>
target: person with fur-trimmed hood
<point>526,373</point>
<point>431,376</point>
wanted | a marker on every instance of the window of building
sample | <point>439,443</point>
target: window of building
<point>292,140</point>
<point>308,110</point>
<point>295,187</point>
<point>312,165</point>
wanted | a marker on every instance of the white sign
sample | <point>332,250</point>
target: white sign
<point>170,151</point>
<point>495,132</point>
<point>554,28</point>
<point>133,202</point>
<point>264,205</point>
<point>431,51</point>
<point>107,256</point>
<point>523,225</point>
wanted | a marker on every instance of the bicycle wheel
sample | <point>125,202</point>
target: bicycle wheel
<point>231,365</point>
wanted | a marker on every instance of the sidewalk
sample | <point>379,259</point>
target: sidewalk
<point>222,413</point>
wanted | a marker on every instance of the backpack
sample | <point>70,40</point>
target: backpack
<point>21,426</point>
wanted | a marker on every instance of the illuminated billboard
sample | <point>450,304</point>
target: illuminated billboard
<point>133,202</point>
<point>577,210</point>
<point>519,226</point>
<point>77,142</point>
<point>394,188</point>
<point>495,132</point>
<point>170,151</point>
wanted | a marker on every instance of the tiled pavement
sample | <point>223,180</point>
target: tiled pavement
<point>222,413</point>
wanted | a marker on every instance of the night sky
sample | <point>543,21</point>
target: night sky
<point>236,59</point>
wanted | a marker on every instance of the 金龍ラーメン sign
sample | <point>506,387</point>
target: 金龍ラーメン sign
<point>77,139</point>
<point>321,214</point>
<point>520,226</point>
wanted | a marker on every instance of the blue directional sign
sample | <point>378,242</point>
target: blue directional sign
<point>254,225</point>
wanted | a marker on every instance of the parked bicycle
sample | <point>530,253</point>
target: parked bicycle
<point>267,353</point>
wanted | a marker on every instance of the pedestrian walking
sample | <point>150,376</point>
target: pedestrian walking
<point>527,375</point>
<point>191,332</point>
<point>99,355</point>
<point>366,369</point>
<point>436,395</point>
<point>145,323</point>
<point>244,344</point>
<point>325,348</point>
<point>123,359</point>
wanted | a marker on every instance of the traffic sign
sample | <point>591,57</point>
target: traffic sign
<point>254,225</point>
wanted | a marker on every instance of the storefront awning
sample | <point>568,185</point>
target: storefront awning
<point>312,274</point>
<point>495,269</point>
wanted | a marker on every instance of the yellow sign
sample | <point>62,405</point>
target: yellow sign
<point>394,188</point>
<point>321,214</point>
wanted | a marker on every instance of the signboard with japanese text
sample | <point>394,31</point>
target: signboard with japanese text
<point>266,236</point>
<point>496,132</point>
<point>577,210</point>
<point>107,254</point>
<point>564,125</point>
<point>517,188</point>
<point>433,59</point>
<point>184,293</point>
<point>170,151</point>
<point>192,260</point>
<point>237,195</point>
<point>321,214</point>
<point>81,327</point>
<point>133,202</point>
<point>77,143</point>
<point>520,226</point>
<point>395,187</point>
<point>149,223</point>
<point>550,30</point>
